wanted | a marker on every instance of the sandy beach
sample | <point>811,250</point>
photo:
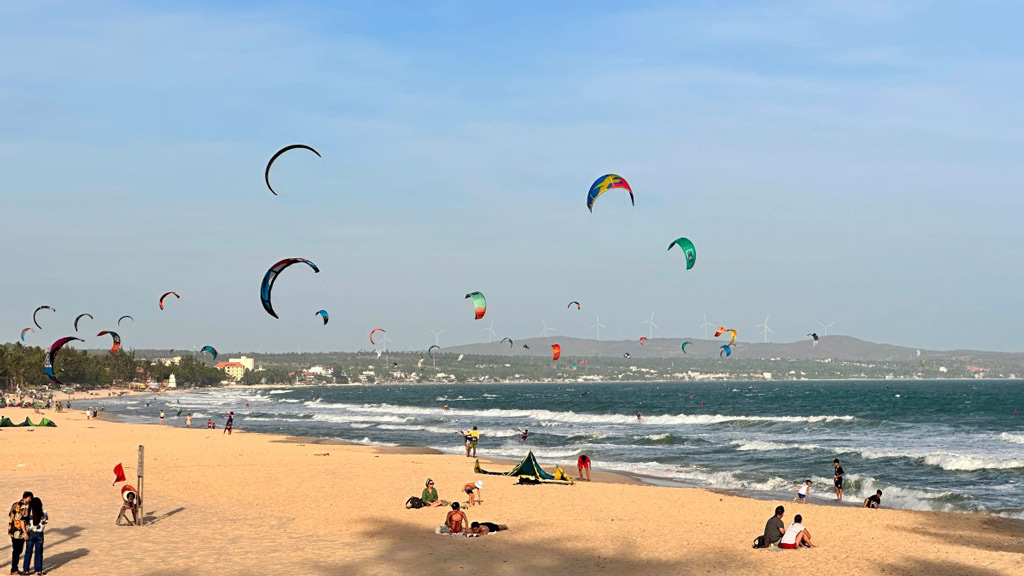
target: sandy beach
<point>263,504</point>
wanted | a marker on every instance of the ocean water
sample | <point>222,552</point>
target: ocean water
<point>928,445</point>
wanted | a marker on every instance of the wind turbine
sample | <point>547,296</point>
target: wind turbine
<point>598,325</point>
<point>490,332</point>
<point>765,328</point>
<point>546,329</point>
<point>705,326</point>
<point>826,326</point>
<point>437,334</point>
<point>651,326</point>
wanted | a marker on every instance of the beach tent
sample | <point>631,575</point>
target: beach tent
<point>528,468</point>
<point>27,422</point>
<point>7,423</point>
<point>46,422</point>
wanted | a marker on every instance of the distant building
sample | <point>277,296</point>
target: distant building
<point>245,361</point>
<point>172,382</point>
<point>234,370</point>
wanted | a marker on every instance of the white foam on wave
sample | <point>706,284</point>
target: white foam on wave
<point>281,391</point>
<point>346,419</point>
<point>964,462</point>
<point>581,418</point>
<point>655,437</point>
<point>764,446</point>
<point>1012,438</point>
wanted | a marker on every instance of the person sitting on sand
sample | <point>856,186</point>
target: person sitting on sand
<point>801,494</point>
<point>775,527</point>
<point>583,465</point>
<point>456,521</point>
<point>796,535</point>
<point>485,528</point>
<point>429,495</point>
<point>874,501</point>
<point>471,488</point>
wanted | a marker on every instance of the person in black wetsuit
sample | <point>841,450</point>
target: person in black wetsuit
<point>839,475</point>
<point>484,528</point>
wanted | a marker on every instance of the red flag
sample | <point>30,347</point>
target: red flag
<point>119,473</point>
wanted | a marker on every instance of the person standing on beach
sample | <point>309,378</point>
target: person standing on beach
<point>16,528</point>
<point>161,416</point>
<point>37,519</point>
<point>229,423</point>
<point>472,437</point>
<point>839,474</point>
<point>583,465</point>
<point>188,420</point>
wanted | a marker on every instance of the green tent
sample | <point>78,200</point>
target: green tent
<point>27,422</point>
<point>528,468</point>
<point>46,422</point>
<point>6,423</point>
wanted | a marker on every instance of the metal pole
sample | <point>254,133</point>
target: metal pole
<point>142,513</point>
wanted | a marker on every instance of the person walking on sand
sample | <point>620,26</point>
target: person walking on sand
<point>17,521</point>
<point>188,420</point>
<point>161,416</point>
<point>473,491</point>
<point>796,535</point>
<point>583,465</point>
<point>229,423</point>
<point>801,494</point>
<point>37,519</point>
<point>839,474</point>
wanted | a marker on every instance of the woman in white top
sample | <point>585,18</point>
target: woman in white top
<point>37,519</point>
<point>796,535</point>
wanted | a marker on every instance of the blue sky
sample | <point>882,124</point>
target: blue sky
<point>856,162</point>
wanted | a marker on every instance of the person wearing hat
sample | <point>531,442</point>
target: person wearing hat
<point>429,496</point>
<point>471,488</point>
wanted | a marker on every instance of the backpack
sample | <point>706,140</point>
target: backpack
<point>760,542</point>
<point>414,502</point>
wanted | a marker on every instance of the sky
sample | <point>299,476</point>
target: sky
<point>847,162</point>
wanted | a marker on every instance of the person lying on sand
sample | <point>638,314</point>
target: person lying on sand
<point>484,528</point>
<point>796,535</point>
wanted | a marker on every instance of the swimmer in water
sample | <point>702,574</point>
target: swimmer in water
<point>446,407</point>
<point>526,434</point>
<point>639,416</point>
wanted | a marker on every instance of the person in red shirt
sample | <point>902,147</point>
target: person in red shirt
<point>583,464</point>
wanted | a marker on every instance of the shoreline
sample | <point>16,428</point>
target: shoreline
<point>267,502</point>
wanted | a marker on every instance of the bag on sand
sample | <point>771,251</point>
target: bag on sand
<point>760,542</point>
<point>414,502</point>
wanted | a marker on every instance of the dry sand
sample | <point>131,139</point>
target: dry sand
<point>263,504</point>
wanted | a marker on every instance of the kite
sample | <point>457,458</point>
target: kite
<point>164,297</point>
<point>52,352</point>
<point>683,347</point>
<point>374,331</point>
<point>814,337</point>
<point>461,356</point>
<point>79,317</point>
<point>627,355</point>
<point>732,339</point>
<point>726,349</point>
<point>430,351</point>
<point>271,276</point>
<point>922,362</point>
<point>115,336</point>
<point>719,331</point>
<point>527,346</point>
<point>918,353</point>
<point>479,304</point>
<point>556,352</point>
<point>606,183</point>
<point>643,340</point>
<point>574,302</point>
<point>123,317</point>
<point>266,173</point>
<point>510,342</point>
<point>322,313</point>
<point>36,322</point>
<point>23,333</point>
<point>688,250</point>
<point>211,350</point>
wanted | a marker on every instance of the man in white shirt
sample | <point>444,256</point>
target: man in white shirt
<point>796,535</point>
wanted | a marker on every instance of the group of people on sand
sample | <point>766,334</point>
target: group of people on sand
<point>25,525</point>
<point>839,475</point>
<point>456,523</point>
<point>791,537</point>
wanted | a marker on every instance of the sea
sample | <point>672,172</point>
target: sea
<point>955,446</point>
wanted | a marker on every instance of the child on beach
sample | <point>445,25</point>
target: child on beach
<point>583,465</point>
<point>838,480</point>
<point>801,494</point>
<point>469,489</point>
<point>874,501</point>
